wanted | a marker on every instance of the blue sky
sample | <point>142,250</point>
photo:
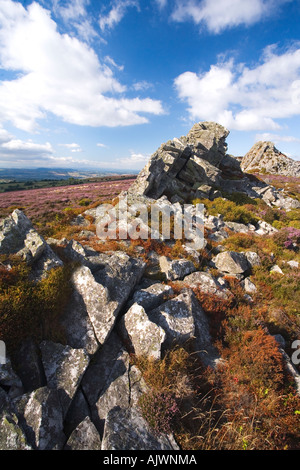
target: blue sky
<point>102,83</point>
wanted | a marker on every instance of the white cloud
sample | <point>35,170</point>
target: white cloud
<point>268,137</point>
<point>142,85</point>
<point>15,150</point>
<point>73,147</point>
<point>242,98</point>
<point>218,15</point>
<point>102,145</point>
<point>136,161</point>
<point>116,14</point>
<point>161,3</point>
<point>59,74</point>
<point>74,10</point>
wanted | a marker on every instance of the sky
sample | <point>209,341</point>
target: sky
<point>103,83</point>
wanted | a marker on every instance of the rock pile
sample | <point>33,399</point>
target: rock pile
<point>84,394</point>
<point>197,166</point>
<point>264,157</point>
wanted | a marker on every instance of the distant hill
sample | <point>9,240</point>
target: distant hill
<point>22,174</point>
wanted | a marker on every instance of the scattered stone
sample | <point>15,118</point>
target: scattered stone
<point>231,262</point>
<point>249,286</point>
<point>175,269</point>
<point>276,269</point>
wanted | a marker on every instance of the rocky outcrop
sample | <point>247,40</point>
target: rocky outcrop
<point>264,157</point>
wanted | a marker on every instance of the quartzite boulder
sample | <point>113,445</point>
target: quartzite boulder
<point>41,416</point>
<point>231,262</point>
<point>64,368</point>
<point>126,429</point>
<point>84,437</point>
<point>145,336</point>
<point>264,157</point>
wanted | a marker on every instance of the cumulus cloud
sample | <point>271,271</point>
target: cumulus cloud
<point>73,147</point>
<point>59,74</point>
<point>16,150</point>
<point>136,161</point>
<point>116,13</point>
<point>245,98</point>
<point>218,15</point>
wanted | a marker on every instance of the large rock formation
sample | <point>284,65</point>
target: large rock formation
<point>264,157</point>
<point>197,166</point>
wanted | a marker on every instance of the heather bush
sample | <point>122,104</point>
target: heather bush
<point>230,211</point>
<point>29,309</point>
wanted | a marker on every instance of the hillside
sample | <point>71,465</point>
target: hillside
<point>143,339</point>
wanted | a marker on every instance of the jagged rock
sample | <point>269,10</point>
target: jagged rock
<point>84,437</point>
<point>106,292</point>
<point>263,228</point>
<point>239,228</point>
<point>41,416</point>
<point>145,336</point>
<point>231,262</point>
<point>77,325</point>
<point>10,380</point>
<point>64,368</point>
<point>106,366</point>
<point>175,269</point>
<point>249,286</point>
<point>77,412</point>
<point>17,236</point>
<point>152,296</point>
<point>252,258</point>
<point>12,436</point>
<point>29,366</point>
<point>206,283</point>
<point>125,429</point>
<point>183,319</point>
<point>178,164</point>
<point>276,269</point>
<point>264,157</point>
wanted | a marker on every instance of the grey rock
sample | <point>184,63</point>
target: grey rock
<point>29,366</point>
<point>252,258</point>
<point>12,436</point>
<point>207,284</point>
<point>249,286</point>
<point>145,336</point>
<point>265,157</point>
<point>175,269</point>
<point>231,262</point>
<point>84,437</point>
<point>41,416</point>
<point>77,412</point>
<point>126,429</point>
<point>276,269</point>
<point>64,368</point>
<point>107,364</point>
<point>10,380</point>
<point>152,296</point>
